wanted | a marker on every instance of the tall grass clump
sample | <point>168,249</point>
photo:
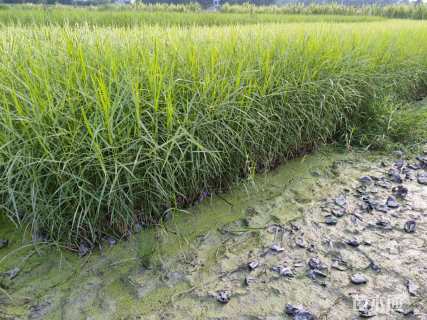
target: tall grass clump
<point>105,127</point>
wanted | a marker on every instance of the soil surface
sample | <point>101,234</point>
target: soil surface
<point>329,236</point>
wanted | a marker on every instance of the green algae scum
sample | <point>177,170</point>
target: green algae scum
<point>118,282</point>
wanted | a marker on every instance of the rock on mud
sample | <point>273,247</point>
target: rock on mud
<point>358,278</point>
<point>331,220</point>
<point>277,248</point>
<point>253,265</point>
<point>410,226</point>
<point>223,296</point>
<point>4,243</point>
<point>299,313</point>
<point>422,178</point>
<point>366,311</point>
<point>412,288</point>
<point>366,180</point>
<point>392,202</point>
<point>341,200</point>
<point>400,191</point>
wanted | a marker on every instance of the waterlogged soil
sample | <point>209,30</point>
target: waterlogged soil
<point>319,233</point>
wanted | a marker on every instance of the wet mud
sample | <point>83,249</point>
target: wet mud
<point>329,236</point>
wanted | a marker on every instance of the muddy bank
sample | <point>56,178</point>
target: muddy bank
<point>304,234</point>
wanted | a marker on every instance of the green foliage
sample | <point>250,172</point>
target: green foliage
<point>155,14</point>
<point>103,127</point>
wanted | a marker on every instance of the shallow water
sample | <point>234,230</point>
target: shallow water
<point>175,271</point>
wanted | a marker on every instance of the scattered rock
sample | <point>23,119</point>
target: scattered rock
<point>338,212</point>
<point>277,248</point>
<point>316,264</point>
<point>253,265</point>
<point>392,202</point>
<point>341,200</point>
<point>313,274</point>
<point>111,241</point>
<point>339,265</point>
<point>299,313</point>
<point>300,242</point>
<point>384,224</point>
<point>375,267</point>
<point>4,243</point>
<point>405,312</point>
<point>399,164</point>
<point>400,191</point>
<point>352,242</point>
<point>412,288</point>
<point>83,249</point>
<point>422,178</point>
<point>331,220</point>
<point>410,226</point>
<point>358,278</point>
<point>366,180</point>
<point>394,175</point>
<point>223,296</point>
<point>284,271</point>
<point>366,311</point>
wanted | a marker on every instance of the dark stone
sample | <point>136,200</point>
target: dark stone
<point>366,311</point>
<point>83,249</point>
<point>316,264</point>
<point>253,265</point>
<point>338,212</point>
<point>358,278</point>
<point>352,242</point>
<point>400,191</point>
<point>277,248</point>
<point>299,313</point>
<point>300,242</point>
<point>384,224</point>
<point>383,184</point>
<point>284,271</point>
<point>316,273</point>
<point>422,178</point>
<point>366,180</point>
<point>414,166</point>
<point>331,220</point>
<point>412,288</point>
<point>341,200</point>
<point>410,226</point>
<point>4,243</point>
<point>223,296</point>
<point>374,267</point>
<point>405,312</point>
<point>339,264</point>
<point>392,202</point>
<point>399,164</point>
<point>111,241</point>
<point>394,175</point>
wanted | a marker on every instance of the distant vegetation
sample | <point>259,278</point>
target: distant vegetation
<point>152,15</point>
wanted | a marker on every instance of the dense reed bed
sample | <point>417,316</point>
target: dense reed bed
<point>401,11</point>
<point>150,15</point>
<point>105,127</point>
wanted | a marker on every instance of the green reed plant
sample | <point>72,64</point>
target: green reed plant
<point>102,128</point>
